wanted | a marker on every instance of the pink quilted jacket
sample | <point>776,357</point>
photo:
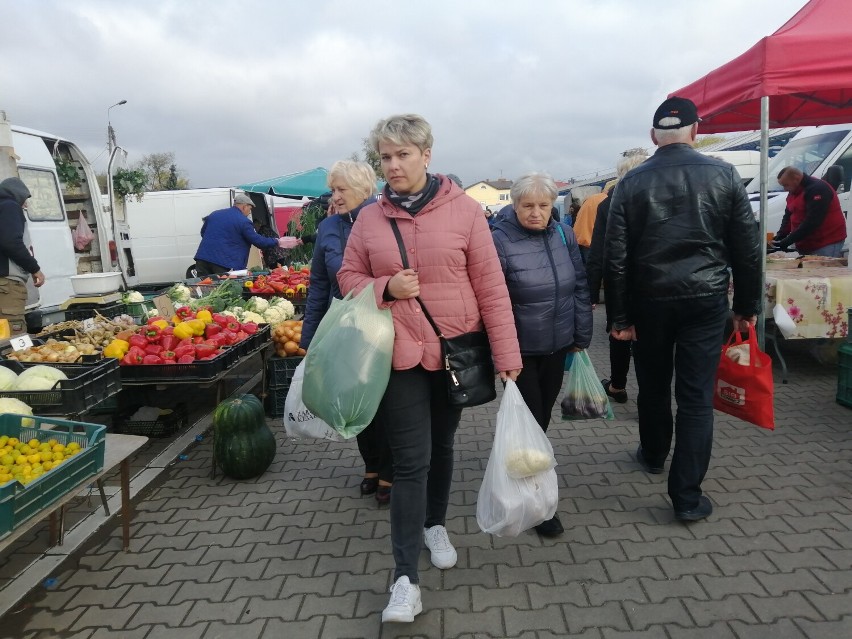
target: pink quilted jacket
<point>461,282</point>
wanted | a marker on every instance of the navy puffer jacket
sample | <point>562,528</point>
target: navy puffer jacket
<point>547,285</point>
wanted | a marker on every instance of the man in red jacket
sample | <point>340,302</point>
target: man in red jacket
<point>813,220</point>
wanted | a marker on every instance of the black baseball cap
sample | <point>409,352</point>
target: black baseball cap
<point>683,109</point>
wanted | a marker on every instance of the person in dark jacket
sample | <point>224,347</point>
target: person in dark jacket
<point>353,186</point>
<point>619,350</point>
<point>549,293</point>
<point>17,264</point>
<point>227,235</point>
<point>677,223</point>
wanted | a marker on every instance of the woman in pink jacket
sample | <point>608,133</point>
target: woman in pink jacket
<point>455,271</point>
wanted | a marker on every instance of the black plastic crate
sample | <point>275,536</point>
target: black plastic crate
<point>165,426</point>
<point>87,386</point>
<point>261,337</point>
<point>275,400</point>
<point>280,370</point>
<point>85,311</point>
<point>199,371</point>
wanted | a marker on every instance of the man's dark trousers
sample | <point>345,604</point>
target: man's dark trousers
<point>684,336</point>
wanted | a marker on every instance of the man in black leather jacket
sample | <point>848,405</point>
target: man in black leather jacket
<point>676,224</point>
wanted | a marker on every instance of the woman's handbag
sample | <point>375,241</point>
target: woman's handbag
<point>467,357</point>
<point>744,385</point>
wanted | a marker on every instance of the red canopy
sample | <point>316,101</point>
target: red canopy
<point>805,68</point>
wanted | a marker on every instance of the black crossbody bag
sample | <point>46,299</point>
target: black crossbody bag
<point>467,357</point>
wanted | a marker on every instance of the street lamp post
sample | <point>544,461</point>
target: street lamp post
<point>110,131</point>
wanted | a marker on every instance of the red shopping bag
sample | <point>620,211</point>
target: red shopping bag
<point>744,386</point>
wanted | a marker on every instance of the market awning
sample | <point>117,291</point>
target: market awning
<point>312,183</point>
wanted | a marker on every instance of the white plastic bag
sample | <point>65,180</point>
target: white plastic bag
<point>348,365</point>
<point>82,235</point>
<point>507,505</point>
<point>298,420</point>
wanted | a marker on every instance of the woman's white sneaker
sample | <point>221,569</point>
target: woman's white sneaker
<point>404,602</point>
<point>438,542</point>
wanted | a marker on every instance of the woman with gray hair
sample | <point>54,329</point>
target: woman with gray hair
<point>619,350</point>
<point>547,284</point>
<point>427,242</point>
<point>353,186</point>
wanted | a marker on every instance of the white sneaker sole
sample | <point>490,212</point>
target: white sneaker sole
<point>445,565</point>
<point>394,617</point>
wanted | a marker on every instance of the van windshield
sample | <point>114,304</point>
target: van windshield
<point>806,154</point>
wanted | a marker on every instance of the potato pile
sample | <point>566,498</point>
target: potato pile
<point>287,336</point>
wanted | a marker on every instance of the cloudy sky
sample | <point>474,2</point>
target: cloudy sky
<point>244,90</point>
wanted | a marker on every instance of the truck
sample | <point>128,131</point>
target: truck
<point>53,212</point>
<point>820,151</point>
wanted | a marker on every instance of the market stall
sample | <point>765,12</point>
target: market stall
<point>214,334</point>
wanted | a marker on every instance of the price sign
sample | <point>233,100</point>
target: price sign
<point>21,342</point>
<point>89,324</point>
<point>164,306</point>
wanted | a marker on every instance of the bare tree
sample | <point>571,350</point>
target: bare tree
<point>163,174</point>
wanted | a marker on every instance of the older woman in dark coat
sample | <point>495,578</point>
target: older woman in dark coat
<point>549,292</point>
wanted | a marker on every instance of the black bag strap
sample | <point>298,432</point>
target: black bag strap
<point>402,254</point>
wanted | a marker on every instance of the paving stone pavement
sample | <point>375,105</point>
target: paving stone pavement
<point>299,554</point>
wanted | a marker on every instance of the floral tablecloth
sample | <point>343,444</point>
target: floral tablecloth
<point>815,299</point>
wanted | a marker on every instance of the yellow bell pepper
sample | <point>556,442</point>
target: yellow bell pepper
<point>183,330</point>
<point>176,320</point>
<point>161,324</point>
<point>249,284</point>
<point>197,326</point>
<point>5,329</point>
<point>117,348</point>
<point>204,315</point>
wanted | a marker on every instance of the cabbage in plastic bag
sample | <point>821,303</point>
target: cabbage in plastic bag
<point>349,362</point>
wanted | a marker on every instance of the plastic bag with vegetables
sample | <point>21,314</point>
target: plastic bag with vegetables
<point>585,398</point>
<point>519,489</point>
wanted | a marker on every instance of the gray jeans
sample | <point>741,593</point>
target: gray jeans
<point>830,250</point>
<point>420,426</point>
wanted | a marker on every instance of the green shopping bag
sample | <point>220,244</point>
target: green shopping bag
<point>585,398</point>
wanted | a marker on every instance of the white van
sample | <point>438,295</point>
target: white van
<point>814,149</point>
<point>164,229</point>
<point>747,163</point>
<point>53,212</point>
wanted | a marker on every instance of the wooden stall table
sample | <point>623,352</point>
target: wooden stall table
<point>118,451</point>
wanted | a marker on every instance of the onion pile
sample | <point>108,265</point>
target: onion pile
<point>287,336</point>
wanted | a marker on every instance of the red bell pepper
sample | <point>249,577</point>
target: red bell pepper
<point>152,333</point>
<point>138,340</point>
<point>131,360</point>
<point>212,329</point>
<point>168,356</point>
<point>169,330</point>
<point>187,349</point>
<point>197,339</point>
<point>169,361</point>
<point>233,325</point>
<point>169,342</point>
<point>137,351</point>
<point>152,359</point>
<point>277,286</point>
<point>221,320</point>
<point>153,349</point>
<point>203,350</point>
<point>249,327</point>
<point>186,359</point>
<point>229,336</point>
<point>187,341</point>
<point>184,312</point>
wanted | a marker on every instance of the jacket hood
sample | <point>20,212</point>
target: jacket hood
<point>447,191</point>
<point>15,189</point>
